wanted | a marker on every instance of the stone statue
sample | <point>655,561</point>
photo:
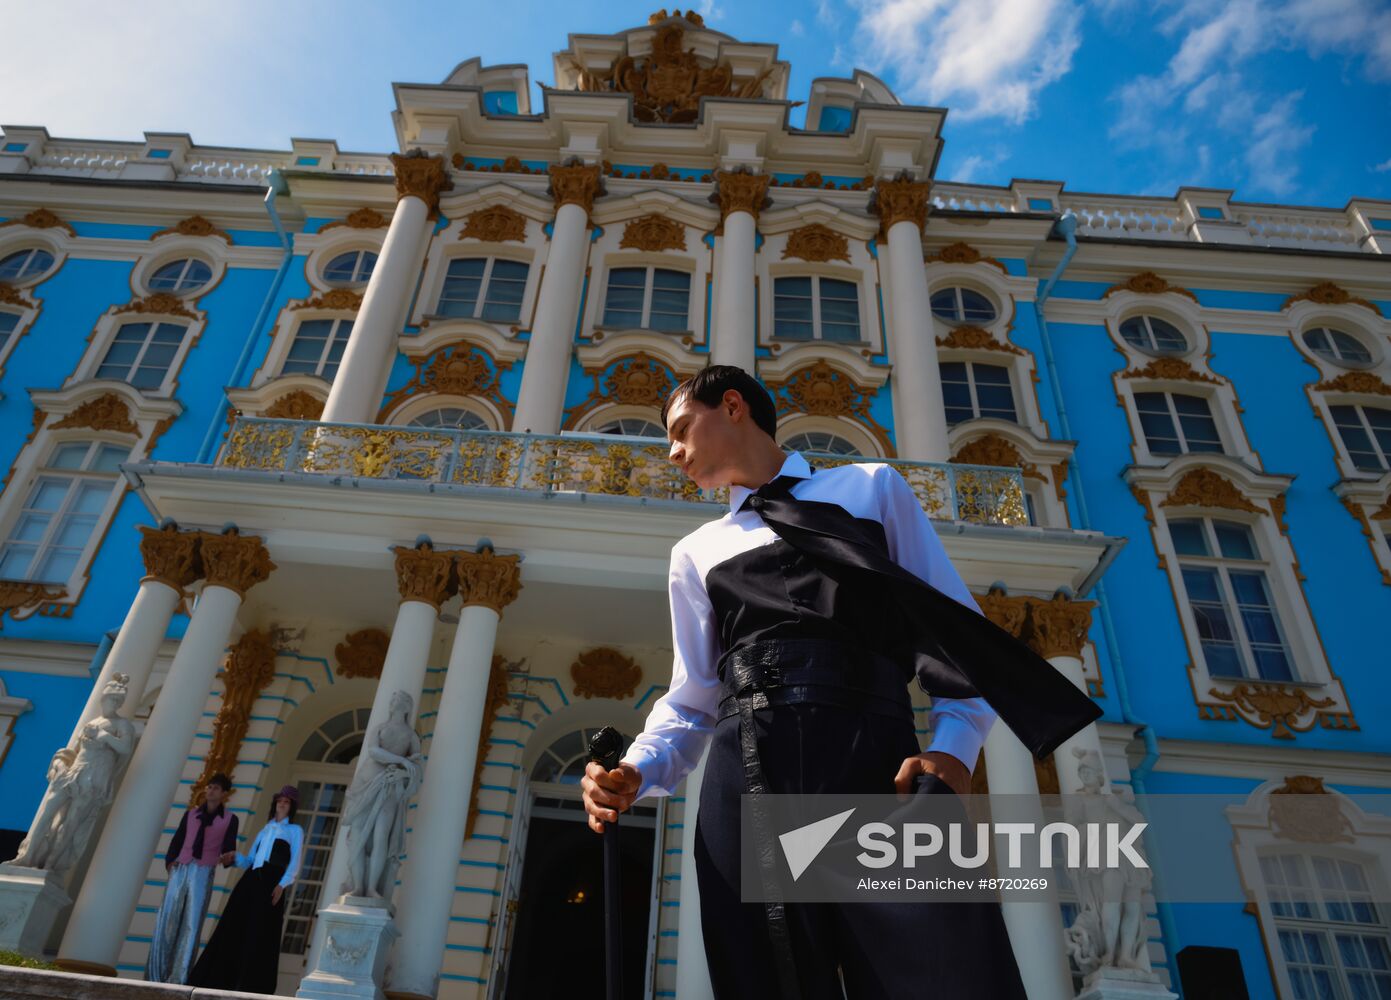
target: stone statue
<point>388,773</point>
<point>80,783</point>
<point>1109,931</point>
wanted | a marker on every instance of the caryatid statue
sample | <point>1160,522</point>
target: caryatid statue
<point>80,783</point>
<point>388,774</point>
<point>1109,931</point>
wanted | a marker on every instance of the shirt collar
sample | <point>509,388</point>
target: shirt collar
<point>211,814</point>
<point>795,466</point>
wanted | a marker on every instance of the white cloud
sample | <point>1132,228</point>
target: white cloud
<point>972,167</point>
<point>710,12</point>
<point>1276,137</point>
<point>985,58</point>
<point>796,29</point>
<point>1382,168</point>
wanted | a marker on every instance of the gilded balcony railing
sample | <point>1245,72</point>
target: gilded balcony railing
<point>599,464</point>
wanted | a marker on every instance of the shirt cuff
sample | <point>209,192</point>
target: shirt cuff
<point>646,763</point>
<point>956,737</point>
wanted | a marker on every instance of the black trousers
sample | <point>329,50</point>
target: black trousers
<point>879,951</point>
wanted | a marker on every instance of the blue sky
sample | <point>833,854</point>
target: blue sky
<point>1283,100</point>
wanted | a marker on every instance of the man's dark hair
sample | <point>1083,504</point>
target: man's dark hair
<point>222,781</point>
<point>708,387</point>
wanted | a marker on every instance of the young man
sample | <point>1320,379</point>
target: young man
<point>204,835</point>
<point>798,619</point>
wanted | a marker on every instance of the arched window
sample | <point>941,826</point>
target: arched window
<point>816,308</point>
<point>184,275</point>
<point>61,511</point>
<point>962,305</point>
<point>820,443</point>
<point>488,288</point>
<point>1338,347</point>
<point>972,389</point>
<point>318,348</point>
<point>1176,423</point>
<point>632,427</point>
<point>350,269</point>
<point>25,264</point>
<point>1366,434</point>
<point>452,418</point>
<point>1231,599</point>
<point>337,741</point>
<point>649,298</point>
<point>1154,335</point>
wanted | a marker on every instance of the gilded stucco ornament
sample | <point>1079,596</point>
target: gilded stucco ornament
<point>575,183</point>
<point>817,243</point>
<point>740,191</point>
<point>1367,383</point>
<point>235,561</point>
<point>1003,611</point>
<point>16,596</point>
<point>296,405</point>
<point>420,175</point>
<point>163,303</point>
<point>108,412</point>
<point>1059,627</point>
<point>334,298</point>
<point>495,224</point>
<point>12,296</point>
<point>900,200</point>
<point>1326,293</point>
<point>459,369</point>
<point>362,653</point>
<point>1173,369</point>
<point>974,338</point>
<point>360,218</point>
<point>821,390</point>
<point>1147,283</point>
<point>654,233</point>
<point>634,380</point>
<point>992,449</point>
<point>963,253</point>
<point>1277,707</point>
<point>1303,810</point>
<point>487,579</point>
<point>247,671</point>
<point>1205,488</point>
<point>194,225</point>
<point>40,218</point>
<point>170,556</point>
<point>605,673</point>
<point>424,575</point>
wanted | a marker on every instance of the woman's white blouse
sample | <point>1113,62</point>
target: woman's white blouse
<point>276,829</point>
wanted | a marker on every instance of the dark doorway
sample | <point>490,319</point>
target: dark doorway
<point>558,947</point>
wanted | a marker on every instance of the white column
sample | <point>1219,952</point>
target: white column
<point>422,576</point>
<point>692,969</point>
<point>102,912</point>
<point>361,379</point>
<point>488,583</point>
<point>1060,628</point>
<point>920,417</point>
<point>732,340</point>
<point>541,398</point>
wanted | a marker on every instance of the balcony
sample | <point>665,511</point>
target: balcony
<point>597,465</point>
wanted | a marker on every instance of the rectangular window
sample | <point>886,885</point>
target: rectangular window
<point>318,348</point>
<point>1238,625</point>
<point>1175,424</point>
<point>488,288</point>
<point>972,389</point>
<point>61,511</point>
<point>816,308</point>
<point>648,298</point>
<point>1366,434</point>
<point>141,354</point>
<point>8,323</point>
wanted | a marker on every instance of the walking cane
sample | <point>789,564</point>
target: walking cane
<point>605,747</point>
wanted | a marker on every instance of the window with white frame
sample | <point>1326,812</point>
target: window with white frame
<point>351,269</point>
<point>1230,596</point>
<point>816,308</point>
<point>962,305</point>
<point>1334,940</point>
<point>141,353</point>
<point>632,427</point>
<point>9,322</point>
<point>1176,423</point>
<point>820,443</point>
<point>451,418</point>
<point>1154,335</point>
<point>488,288</point>
<point>61,511</point>
<point>186,275</point>
<point>648,298</point>
<point>973,389</point>
<point>25,264</point>
<point>1366,434</point>
<point>318,348</point>
<point>1338,347</point>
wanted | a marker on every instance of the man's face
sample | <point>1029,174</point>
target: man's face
<point>213,796</point>
<point>704,438</point>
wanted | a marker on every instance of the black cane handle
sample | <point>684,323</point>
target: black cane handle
<point>606,747</point>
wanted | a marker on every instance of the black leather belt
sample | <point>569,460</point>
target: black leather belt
<point>788,672</point>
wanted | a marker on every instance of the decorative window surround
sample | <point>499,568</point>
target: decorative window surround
<point>335,304</point>
<point>322,247</point>
<point>11,708</point>
<point>648,291</point>
<point>161,307</point>
<point>604,415</point>
<point>172,245</point>
<point>627,383</point>
<point>817,387</point>
<point>1043,462</point>
<point>1276,819</point>
<point>457,364</point>
<point>39,229</point>
<point>1222,487</point>
<point>91,411</point>
<point>865,443</point>
<point>25,309</point>
<point>293,397</point>
<point>1369,501</point>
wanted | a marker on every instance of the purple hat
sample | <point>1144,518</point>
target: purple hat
<point>289,792</point>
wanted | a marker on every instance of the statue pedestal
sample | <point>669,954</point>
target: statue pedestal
<point>358,934</point>
<point>1124,984</point>
<point>30,901</point>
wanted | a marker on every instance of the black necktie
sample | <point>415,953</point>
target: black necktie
<point>205,819</point>
<point>957,652</point>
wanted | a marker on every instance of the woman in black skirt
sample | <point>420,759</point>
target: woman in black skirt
<point>244,952</point>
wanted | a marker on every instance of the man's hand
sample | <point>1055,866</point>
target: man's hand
<point>944,765</point>
<point>227,858</point>
<point>275,895</point>
<point>608,793</point>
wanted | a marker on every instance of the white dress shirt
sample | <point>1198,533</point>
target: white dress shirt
<point>276,829</point>
<point>681,721</point>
